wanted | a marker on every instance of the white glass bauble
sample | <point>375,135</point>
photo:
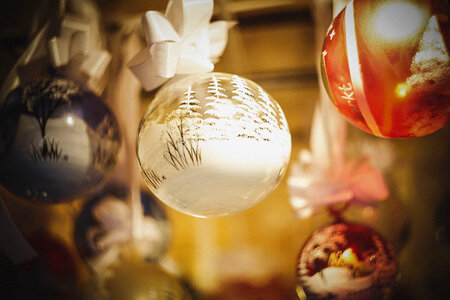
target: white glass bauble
<point>213,144</point>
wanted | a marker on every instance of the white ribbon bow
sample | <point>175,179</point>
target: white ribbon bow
<point>114,230</point>
<point>75,47</point>
<point>182,41</point>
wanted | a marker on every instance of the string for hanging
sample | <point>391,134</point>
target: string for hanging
<point>322,176</point>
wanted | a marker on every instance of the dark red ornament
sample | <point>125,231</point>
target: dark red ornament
<point>346,261</point>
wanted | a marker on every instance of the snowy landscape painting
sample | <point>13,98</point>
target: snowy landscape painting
<point>61,141</point>
<point>220,130</point>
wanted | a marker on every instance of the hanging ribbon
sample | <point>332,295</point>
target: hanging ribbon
<point>182,41</point>
<point>323,177</point>
<point>312,188</point>
<point>74,48</point>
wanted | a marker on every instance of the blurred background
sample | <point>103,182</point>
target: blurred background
<point>252,255</point>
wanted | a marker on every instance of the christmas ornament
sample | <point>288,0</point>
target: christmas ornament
<point>386,66</point>
<point>58,141</point>
<point>213,144</point>
<point>134,279</point>
<point>104,227</point>
<point>346,261</point>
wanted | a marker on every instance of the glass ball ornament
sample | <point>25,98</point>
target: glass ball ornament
<point>213,144</point>
<point>103,228</point>
<point>386,66</point>
<point>346,261</point>
<point>57,141</point>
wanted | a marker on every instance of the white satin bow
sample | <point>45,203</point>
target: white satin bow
<point>114,230</point>
<point>182,41</point>
<point>75,47</point>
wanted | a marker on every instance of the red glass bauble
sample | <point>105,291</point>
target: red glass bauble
<point>346,261</point>
<point>386,67</point>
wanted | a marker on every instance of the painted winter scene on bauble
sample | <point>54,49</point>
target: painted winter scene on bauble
<point>346,261</point>
<point>57,141</point>
<point>213,144</point>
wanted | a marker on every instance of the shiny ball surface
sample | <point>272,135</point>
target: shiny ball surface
<point>57,141</point>
<point>213,144</point>
<point>386,67</point>
<point>346,261</point>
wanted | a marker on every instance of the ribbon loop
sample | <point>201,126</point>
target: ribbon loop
<point>157,29</point>
<point>218,33</point>
<point>178,42</point>
<point>189,16</point>
<point>142,67</point>
<point>74,48</point>
<point>161,55</point>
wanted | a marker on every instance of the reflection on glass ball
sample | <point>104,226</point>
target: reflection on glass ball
<point>103,228</point>
<point>346,262</point>
<point>213,144</point>
<point>386,66</point>
<point>134,280</point>
<point>57,141</point>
